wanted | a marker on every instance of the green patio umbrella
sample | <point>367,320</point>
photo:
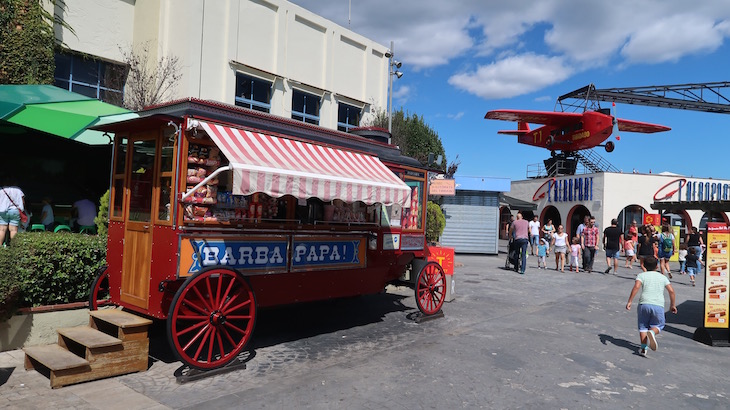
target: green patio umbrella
<point>59,112</point>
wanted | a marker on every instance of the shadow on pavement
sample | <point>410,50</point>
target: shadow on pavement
<point>5,373</point>
<point>288,323</point>
<point>605,339</point>
<point>689,313</point>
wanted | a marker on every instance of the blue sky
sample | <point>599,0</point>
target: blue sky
<point>463,58</point>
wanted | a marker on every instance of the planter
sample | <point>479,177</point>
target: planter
<point>37,326</point>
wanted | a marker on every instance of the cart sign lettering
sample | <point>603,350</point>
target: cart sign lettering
<point>327,253</point>
<point>271,254</point>
<point>243,255</point>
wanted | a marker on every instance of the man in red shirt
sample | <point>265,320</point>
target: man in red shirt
<point>588,242</point>
<point>520,230</point>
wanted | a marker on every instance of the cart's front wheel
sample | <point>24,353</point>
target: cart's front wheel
<point>99,294</point>
<point>430,288</point>
<point>211,318</point>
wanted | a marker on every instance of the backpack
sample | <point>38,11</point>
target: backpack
<point>667,244</point>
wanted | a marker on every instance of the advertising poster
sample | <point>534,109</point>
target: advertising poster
<point>716,277</point>
<point>675,255</point>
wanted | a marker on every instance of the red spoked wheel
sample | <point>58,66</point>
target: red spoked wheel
<point>211,318</point>
<point>430,288</point>
<point>99,294</point>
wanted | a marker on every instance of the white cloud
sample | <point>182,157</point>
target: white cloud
<point>513,76</point>
<point>498,36</point>
<point>672,38</point>
<point>401,94</point>
<point>455,117</point>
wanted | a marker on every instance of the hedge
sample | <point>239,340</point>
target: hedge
<point>48,268</point>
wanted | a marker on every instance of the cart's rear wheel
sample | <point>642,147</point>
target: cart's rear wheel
<point>430,288</point>
<point>99,294</point>
<point>211,318</point>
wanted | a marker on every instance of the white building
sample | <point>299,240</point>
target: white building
<point>626,197</point>
<point>270,55</point>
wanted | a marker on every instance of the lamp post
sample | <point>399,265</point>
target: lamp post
<point>391,64</point>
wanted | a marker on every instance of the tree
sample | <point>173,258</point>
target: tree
<point>147,82</point>
<point>414,137</point>
<point>26,43</point>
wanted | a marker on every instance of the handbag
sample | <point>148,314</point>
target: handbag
<point>23,215</point>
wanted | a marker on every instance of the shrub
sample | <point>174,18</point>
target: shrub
<point>435,222</point>
<point>9,284</point>
<point>102,218</point>
<point>51,268</point>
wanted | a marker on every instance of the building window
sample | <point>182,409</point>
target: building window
<point>253,93</point>
<point>305,107</point>
<point>93,78</point>
<point>348,116</point>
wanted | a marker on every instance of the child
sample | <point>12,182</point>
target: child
<point>630,253</point>
<point>542,251</point>
<point>691,264</point>
<point>651,303</point>
<point>574,252</point>
<point>682,254</point>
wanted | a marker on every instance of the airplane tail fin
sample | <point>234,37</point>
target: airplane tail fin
<point>522,129</point>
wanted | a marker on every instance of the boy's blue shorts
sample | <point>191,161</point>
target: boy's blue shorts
<point>650,316</point>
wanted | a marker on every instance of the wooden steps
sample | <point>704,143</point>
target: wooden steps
<point>114,343</point>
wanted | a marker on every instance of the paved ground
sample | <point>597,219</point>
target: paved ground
<point>543,340</point>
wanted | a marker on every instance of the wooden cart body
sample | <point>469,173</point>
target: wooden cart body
<point>158,243</point>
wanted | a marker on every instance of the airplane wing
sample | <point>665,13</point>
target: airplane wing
<point>535,117</point>
<point>636,126</point>
<point>513,132</point>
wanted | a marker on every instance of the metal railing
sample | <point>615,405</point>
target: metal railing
<point>575,163</point>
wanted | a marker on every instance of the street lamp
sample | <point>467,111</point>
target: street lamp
<point>391,64</point>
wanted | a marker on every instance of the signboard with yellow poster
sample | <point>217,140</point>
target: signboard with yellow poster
<point>675,232</point>
<point>716,277</point>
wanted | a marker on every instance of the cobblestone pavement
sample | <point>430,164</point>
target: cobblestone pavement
<point>541,340</point>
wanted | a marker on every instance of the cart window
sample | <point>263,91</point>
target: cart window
<point>165,181</point>
<point>140,186</point>
<point>412,217</point>
<point>120,158</point>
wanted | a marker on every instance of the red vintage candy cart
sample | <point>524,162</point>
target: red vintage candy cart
<point>217,211</point>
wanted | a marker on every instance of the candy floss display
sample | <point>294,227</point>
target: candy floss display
<point>260,211</point>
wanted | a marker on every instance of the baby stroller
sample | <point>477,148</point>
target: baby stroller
<point>513,256</point>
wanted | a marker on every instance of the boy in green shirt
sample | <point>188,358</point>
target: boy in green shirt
<point>651,303</point>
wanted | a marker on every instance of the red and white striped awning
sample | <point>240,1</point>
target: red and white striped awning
<point>280,166</point>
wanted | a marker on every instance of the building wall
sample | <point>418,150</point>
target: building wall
<point>611,193</point>
<point>472,220</point>
<point>272,39</point>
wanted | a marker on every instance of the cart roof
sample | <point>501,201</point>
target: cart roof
<point>235,116</point>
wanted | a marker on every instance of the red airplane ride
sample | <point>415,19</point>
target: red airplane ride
<point>567,131</point>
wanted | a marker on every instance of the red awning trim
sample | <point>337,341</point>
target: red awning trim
<point>281,166</point>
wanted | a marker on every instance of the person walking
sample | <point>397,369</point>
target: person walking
<point>510,240</point>
<point>588,243</point>
<point>650,313</point>
<point>520,231</point>
<point>666,250</point>
<point>542,253</point>
<point>612,242</point>
<point>682,258</point>
<point>574,254</point>
<point>560,247</point>
<point>630,251</point>
<point>12,203</point>
<point>694,240</point>
<point>691,264</point>
<point>634,232</point>
<point>534,226</point>
<point>548,230</point>
<point>645,247</point>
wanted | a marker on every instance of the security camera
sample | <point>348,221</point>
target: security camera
<point>388,54</point>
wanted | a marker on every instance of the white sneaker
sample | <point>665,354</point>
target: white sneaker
<point>652,340</point>
<point>642,352</point>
